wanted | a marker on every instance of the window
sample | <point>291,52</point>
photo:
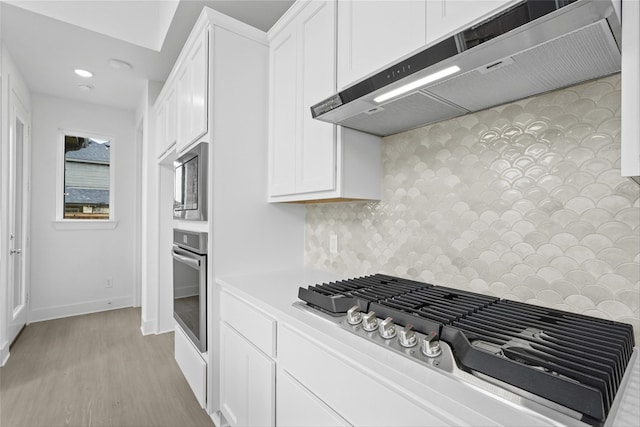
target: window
<point>86,177</point>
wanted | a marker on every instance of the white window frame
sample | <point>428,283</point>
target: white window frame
<point>62,223</point>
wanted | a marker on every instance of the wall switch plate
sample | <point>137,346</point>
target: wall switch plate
<point>109,283</point>
<point>333,244</point>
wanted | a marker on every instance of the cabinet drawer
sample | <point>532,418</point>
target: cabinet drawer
<point>354,393</point>
<point>192,365</point>
<point>254,324</point>
<point>298,407</point>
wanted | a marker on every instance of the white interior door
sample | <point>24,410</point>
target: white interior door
<point>18,153</point>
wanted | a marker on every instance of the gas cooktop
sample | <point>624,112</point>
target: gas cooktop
<point>569,362</point>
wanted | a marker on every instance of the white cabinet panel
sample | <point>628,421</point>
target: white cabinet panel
<point>165,120</point>
<point>191,364</point>
<point>358,396</point>
<point>309,159</point>
<point>254,324</point>
<point>170,117</point>
<point>183,96</point>
<point>316,154</point>
<point>198,65</point>
<point>298,407</point>
<point>161,126</point>
<point>247,381</point>
<point>192,93</point>
<point>374,33</point>
<point>630,145</point>
<point>445,17</point>
<point>282,137</point>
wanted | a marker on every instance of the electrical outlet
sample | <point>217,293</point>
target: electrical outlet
<point>109,283</point>
<point>333,244</point>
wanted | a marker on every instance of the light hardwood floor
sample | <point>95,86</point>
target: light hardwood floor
<point>95,370</point>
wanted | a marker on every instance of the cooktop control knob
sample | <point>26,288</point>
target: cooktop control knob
<point>354,315</point>
<point>407,337</point>
<point>370,321</point>
<point>387,328</point>
<point>431,345</point>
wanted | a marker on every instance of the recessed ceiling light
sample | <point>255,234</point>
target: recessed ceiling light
<point>85,88</point>
<point>119,64</point>
<point>83,73</point>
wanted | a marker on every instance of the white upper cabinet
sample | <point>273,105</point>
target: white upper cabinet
<point>316,65</point>
<point>446,17</point>
<point>165,117</point>
<point>307,157</point>
<point>630,145</point>
<point>192,95</point>
<point>373,34</point>
<point>283,112</point>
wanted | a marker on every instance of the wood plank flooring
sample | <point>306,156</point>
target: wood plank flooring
<point>95,370</point>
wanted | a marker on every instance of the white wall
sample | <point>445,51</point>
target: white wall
<point>69,267</point>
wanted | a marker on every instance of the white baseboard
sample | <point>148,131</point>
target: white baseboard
<point>48,313</point>
<point>148,327</point>
<point>4,354</point>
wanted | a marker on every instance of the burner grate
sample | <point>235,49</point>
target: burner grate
<point>428,309</point>
<point>587,354</point>
<point>338,297</point>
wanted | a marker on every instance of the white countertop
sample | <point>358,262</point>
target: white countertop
<point>465,404</point>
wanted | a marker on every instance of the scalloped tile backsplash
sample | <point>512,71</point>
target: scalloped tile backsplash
<point>523,201</point>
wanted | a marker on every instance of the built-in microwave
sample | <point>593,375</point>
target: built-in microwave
<point>190,184</point>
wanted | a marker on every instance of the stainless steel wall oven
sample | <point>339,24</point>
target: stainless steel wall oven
<point>190,284</point>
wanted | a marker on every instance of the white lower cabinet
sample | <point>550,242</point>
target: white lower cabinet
<point>355,394</point>
<point>297,406</point>
<point>247,381</point>
<point>192,365</point>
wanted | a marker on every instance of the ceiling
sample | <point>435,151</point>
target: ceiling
<point>49,39</point>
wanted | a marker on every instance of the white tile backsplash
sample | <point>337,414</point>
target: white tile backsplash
<point>523,201</point>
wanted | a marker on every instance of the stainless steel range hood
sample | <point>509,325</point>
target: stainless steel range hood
<point>534,47</point>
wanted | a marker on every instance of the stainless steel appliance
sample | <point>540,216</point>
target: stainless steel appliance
<point>560,364</point>
<point>534,47</point>
<point>190,184</point>
<point>190,284</point>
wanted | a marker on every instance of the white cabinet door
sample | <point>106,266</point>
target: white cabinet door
<point>308,160</point>
<point>298,407</point>
<point>198,68</point>
<point>302,150</point>
<point>630,145</point>
<point>170,117</point>
<point>192,95</point>
<point>247,381</point>
<point>446,17</point>
<point>358,395</point>
<point>316,159</point>
<point>374,33</point>
<point>160,125</point>
<point>282,112</point>
<point>183,98</point>
<point>165,125</point>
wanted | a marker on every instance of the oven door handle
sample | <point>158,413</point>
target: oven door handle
<point>191,262</point>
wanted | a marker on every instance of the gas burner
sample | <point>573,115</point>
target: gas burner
<point>564,360</point>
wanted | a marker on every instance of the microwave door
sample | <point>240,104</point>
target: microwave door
<point>178,194</point>
<point>190,185</point>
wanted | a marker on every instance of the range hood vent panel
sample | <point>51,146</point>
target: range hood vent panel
<point>566,43</point>
<point>588,53</point>
<point>414,110</point>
